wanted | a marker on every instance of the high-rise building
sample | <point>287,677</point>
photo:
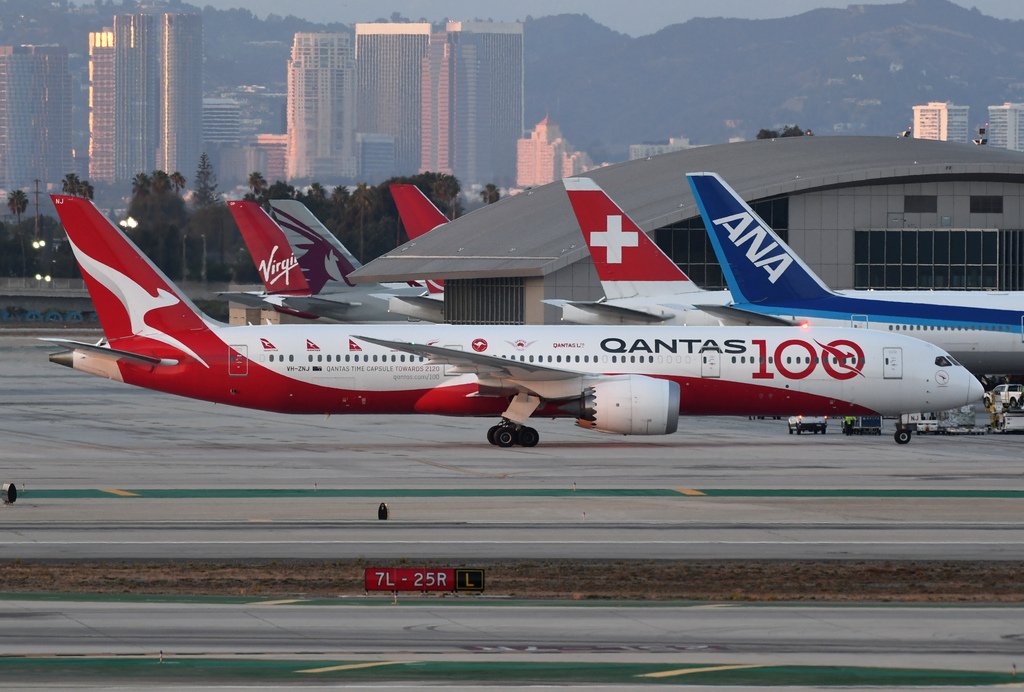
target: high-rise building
<point>136,94</point>
<point>181,92</point>
<point>472,101</point>
<point>101,105</point>
<point>1006,126</point>
<point>321,108</point>
<point>221,122</point>
<point>270,156</point>
<point>376,156</point>
<point>545,157</point>
<point>389,70</point>
<point>35,115</point>
<point>941,120</point>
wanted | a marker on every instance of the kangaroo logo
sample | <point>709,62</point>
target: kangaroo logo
<point>271,270</point>
<point>136,300</point>
<point>757,252</point>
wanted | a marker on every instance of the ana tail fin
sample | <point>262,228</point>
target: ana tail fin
<point>273,256</point>
<point>758,266</point>
<point>627,261</point>
<point>323,258</point>
<point>132,297</point>
<point>418,213</point>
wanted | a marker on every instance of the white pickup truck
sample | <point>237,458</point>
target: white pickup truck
<point>1009,395</point>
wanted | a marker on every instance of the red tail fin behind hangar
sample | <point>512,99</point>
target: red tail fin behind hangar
<point>133,298</point>
<point>418,214</point>
<point>627,261</point>
<point>271,253</point>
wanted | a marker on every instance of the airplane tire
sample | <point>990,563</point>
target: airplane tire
<point>902,437</point>
<point>491,432</point>
<point>506,437</point>
<point>528,437</point>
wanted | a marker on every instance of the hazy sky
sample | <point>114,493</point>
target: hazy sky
<point>636,18</point>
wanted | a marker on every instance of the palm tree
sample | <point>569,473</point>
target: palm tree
<point>446,190</point>
<point>17,202</point>
<point>71,184</point>
<point>141,184</point>
<point>86,189</point>
<point>363,203</point>
<point>317,192</point>
<point>178,181</point>
<point>161,182</point>
<point>490,194</point>
<point>257,183</point>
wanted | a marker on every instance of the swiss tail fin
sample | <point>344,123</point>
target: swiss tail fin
<point>418,213</point>
<point>627,261</point>
<point>273,256</point>
<point>132,297</point>
<point>323,258</point>
<point>758,266</point>
<point>419,216</point>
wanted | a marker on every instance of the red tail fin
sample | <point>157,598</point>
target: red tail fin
<point>131,295</point>
<point>418,213</point>
<point>627,261</point>
<point>271,253</point>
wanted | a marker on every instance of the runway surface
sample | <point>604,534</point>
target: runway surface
<point>663,638</point>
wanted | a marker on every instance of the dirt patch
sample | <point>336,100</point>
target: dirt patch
<point>727,580</point>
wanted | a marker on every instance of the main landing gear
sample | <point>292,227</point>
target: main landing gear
<point>508,434</point>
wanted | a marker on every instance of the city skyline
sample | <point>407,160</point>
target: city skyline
<point>635,19</point>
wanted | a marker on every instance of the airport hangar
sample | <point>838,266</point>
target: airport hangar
<point>863,212</point>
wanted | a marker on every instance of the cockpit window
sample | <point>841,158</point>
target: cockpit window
<point>944,361</point>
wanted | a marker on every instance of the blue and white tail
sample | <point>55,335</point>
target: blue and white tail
<point>759,267</point>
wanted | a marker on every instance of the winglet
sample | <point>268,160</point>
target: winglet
<point>758,265</point>
<point>627,261</point>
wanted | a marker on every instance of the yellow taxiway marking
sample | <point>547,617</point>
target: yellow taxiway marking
<point>121,493</point>
<point>283,601</point>
<point>354,666</point>
<point>688,671</point>
<point>688,491</point>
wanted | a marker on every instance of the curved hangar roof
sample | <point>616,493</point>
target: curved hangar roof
<point>535,233</point>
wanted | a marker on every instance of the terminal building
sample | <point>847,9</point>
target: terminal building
<point>862,212</point>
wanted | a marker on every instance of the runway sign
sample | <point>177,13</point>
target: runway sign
<point>426,579</point>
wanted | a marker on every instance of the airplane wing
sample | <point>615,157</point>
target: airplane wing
<point>478,363</point>
<point>253,299</point>
<point>620,313</point>
<point>739,317</point>
<point>110,353</point>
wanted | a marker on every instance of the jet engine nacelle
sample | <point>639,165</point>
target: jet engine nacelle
<point>631,405</point>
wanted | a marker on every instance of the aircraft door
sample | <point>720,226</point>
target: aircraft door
<point>859,321</point>
<point>711,364</point>
<point>238,360</point>
<point>892,363</point>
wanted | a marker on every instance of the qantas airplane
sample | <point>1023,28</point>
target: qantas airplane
<point>641,284</point>
<point>305,268</point>
<point>983,330</point>
<point>628,380</point>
